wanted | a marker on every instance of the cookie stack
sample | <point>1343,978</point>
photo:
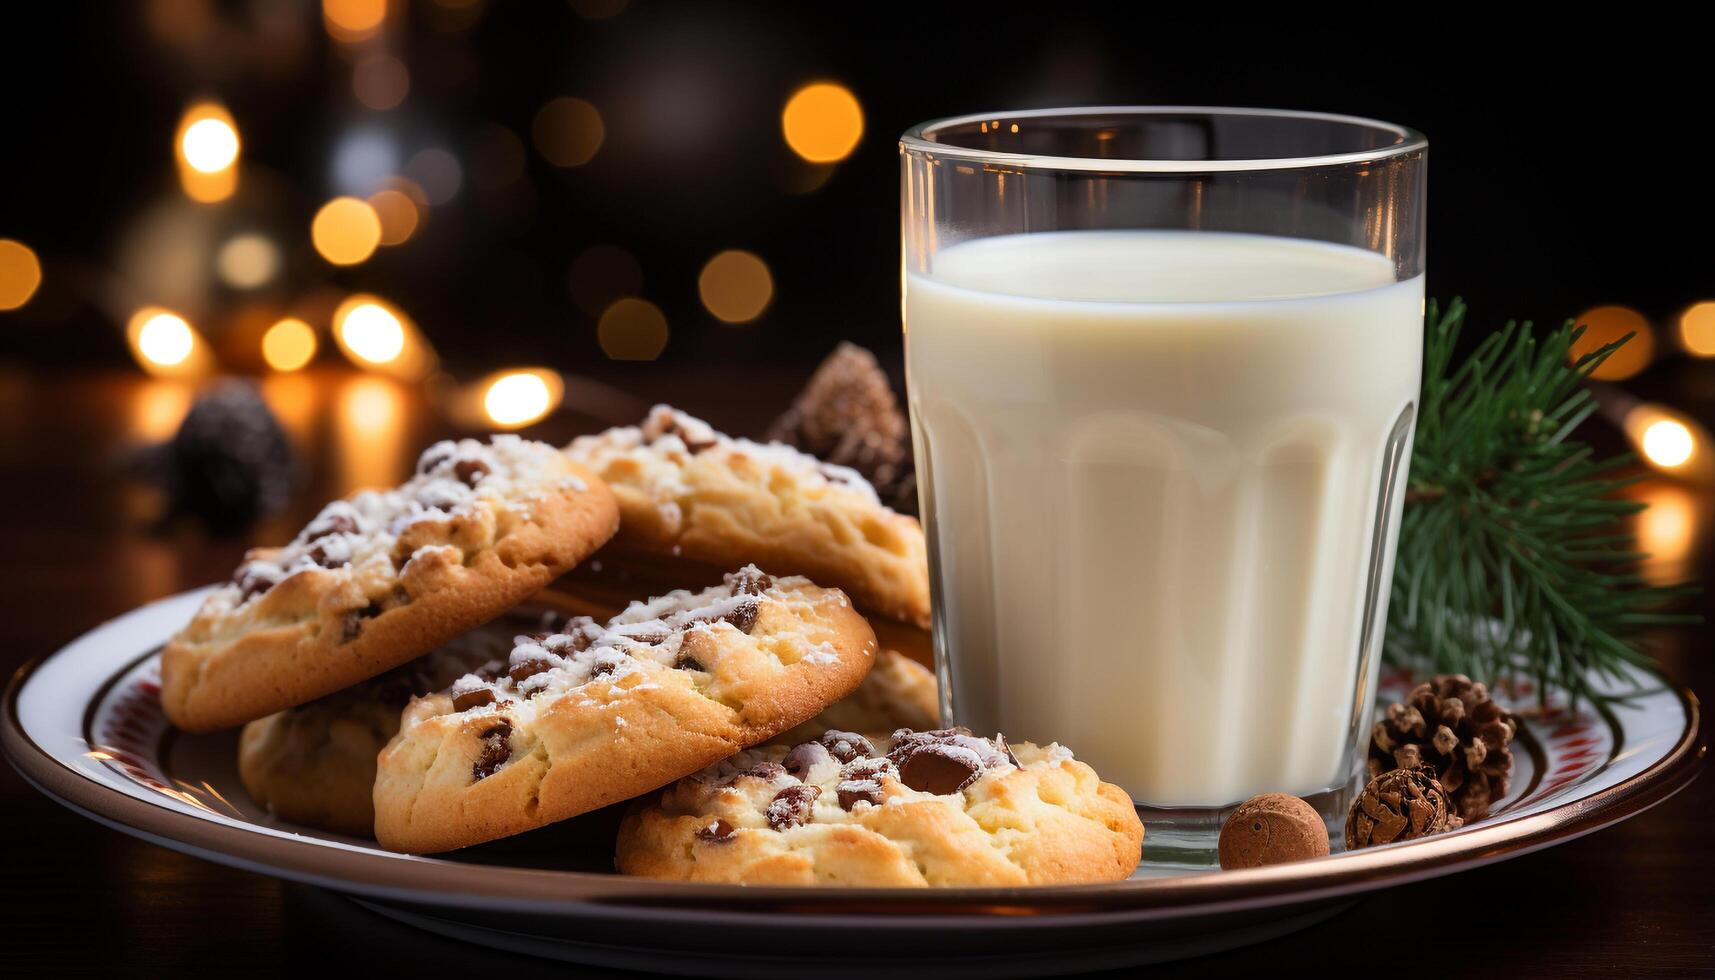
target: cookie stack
<point>403,668</point>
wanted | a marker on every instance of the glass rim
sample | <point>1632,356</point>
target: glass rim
<point>917,140</point>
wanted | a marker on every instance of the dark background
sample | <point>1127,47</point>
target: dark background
<point>1569,165</point>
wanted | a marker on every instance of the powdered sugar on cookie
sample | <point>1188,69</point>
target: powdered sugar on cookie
<point>362,532</point>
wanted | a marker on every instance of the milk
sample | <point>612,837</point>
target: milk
<point>1153,467</point>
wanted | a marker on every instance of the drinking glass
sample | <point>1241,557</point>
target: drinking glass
<point>1163,365</point>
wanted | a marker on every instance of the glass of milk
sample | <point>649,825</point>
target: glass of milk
<point>1163,367</point>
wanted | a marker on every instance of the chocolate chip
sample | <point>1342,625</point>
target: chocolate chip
<point>434,456</point>
<point>846,746</point>
<point>685,661</point>
<point>764,770</point>
<point>528,668</point>
<point>750,581</point>
<point>744,617</point>
<point>336,522</point>
<point>940,770</point>
<point>853,793</point>
<point>719,832</point>
<point>805,757</point>
<point>323,556</point>
<point>606,663</point>
<point>495,750</point>
<point>254,579</point>
<point>473,699</point>
<point>793,806</point>
<point>471,471</point>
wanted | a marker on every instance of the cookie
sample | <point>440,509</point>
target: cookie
<point>597,714</point>
<point>689,491</point>
<point>898,693</point>
<point>938,808</point>
<point>314,764</point>
<point>382,578</point>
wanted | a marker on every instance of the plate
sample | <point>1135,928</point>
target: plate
<point>85,726</point>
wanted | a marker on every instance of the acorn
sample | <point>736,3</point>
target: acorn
<point>1273,828</point>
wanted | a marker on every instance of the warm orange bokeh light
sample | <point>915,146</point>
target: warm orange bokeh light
<point>632,330</point>
<point>206,146</point>
<point>20,274</point>
<point>346,231</point>
<point>567,131</point>
<point>1605,324</point>
<point>376,335</point>
<point>735,286</point>
<point>822,122</point>
<point>1697,329</point>
<point>514,399</point>
<point>354,20</point>
<point>289,344</point>
<point>165,344</point>
<point>398,215</point>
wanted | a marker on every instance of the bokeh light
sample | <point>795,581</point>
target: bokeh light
<point>516,398</point>
<point>346,231</point>
<point>351,21</point>
<point>206,147</point>
<point>247,261</point>
<point>1668,443</point>
<point>289,345</point>
<point>164,343</point>
<point>211,145</point>
<point>363,159</point>
<point>735,286</point>
<point>567,131</point>
<point>1666,530</point>
<point>1605,324</point>
<point>822,122</point>
<point>376,335</point>
<point>437,172</point>
<point>373,333</point>
<point>632,329</point>
<point>399,213</point>
<point>1697,329</point>
<point>166,340</point>
<point>20,274</point>
<point>1669,440</point>
<point>381,82</point>
<point>601,274</point>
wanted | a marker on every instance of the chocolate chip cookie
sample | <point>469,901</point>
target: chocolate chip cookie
<point>383,577</point>
<point>687,490</point>
<point>314,764</point>
<point>933,808</point>
<point>598,713</point>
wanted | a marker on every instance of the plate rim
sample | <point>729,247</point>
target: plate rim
<point>441,883</point>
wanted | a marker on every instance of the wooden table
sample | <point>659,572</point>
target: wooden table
<point>81,546</point>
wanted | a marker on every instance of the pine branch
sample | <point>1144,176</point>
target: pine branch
<point>1513,558</point>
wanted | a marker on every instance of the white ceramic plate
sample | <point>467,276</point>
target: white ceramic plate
<point>85,726</point>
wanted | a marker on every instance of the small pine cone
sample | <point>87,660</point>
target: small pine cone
<point>847,414</point>
<point>1450,725</point>
<point>1401,804</point>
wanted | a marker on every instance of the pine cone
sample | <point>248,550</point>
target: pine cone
<point>1450,725</point>
<point>230,462</point>
<point>1403,804</point>
<point>847,414</point>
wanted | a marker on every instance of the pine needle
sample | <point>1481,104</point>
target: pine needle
<point>1514,561</point>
